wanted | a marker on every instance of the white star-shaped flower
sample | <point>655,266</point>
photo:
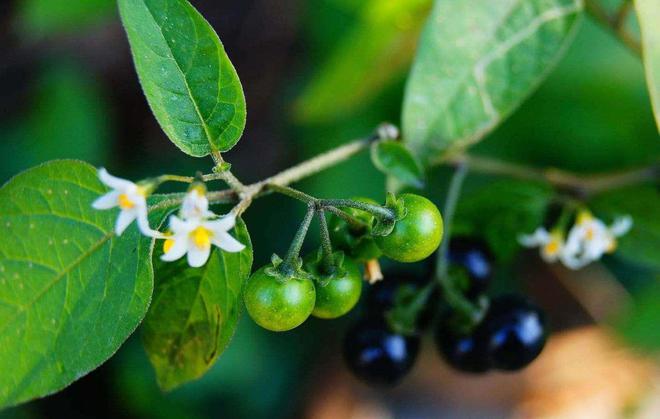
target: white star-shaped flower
<point>195,236</point>
<point>589,239</point>
<point>131,200</point>
<point>195,204</point>
<point>550,244</point>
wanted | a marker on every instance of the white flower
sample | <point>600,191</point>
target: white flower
<point>551,244</point>
<point>589,239</point>
<point>131,200</point>
<point>195,236</point>
<point>195,204</point>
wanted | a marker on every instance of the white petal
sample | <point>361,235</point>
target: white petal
<point>197,257</point>
<point>621,226</point>
<point>573,262</point>
<point>195,205</point>
<point>223,224</point>
<point>143,224</point>
<point>178,249</point>
<point>538,238</point>
<point>125,218</point>
<point>113,181</point>
<point>227,243</point>
<point>107,201</point>
<point>179,226</point>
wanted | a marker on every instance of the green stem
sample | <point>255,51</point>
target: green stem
<point>292,193</point>
<point>355,224</point>
<point>292,256</point>
<point>326,244</point>
<point>376,210</point>
<point>451,293</point>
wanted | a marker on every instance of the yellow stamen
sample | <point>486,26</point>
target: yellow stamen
<point>125,202</point>
<point>612,246</point>
<point>590,233</point>
<point>167,245</point>
<point>201,237</point>
<point>552,247</point>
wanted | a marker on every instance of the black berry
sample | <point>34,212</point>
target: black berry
<point>514,332</point>
<point>378,356</point>
<point>474,258</point>
<point>463,351</point>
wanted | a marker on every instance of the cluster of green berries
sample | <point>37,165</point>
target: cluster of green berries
<point>280,296</point>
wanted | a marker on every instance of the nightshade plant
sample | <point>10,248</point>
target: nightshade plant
<point>80,248</point>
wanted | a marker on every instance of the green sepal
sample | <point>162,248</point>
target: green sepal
<point>384,226</point>
<point>408,303</point>
<point>313,265</point>
<point>280,272</point>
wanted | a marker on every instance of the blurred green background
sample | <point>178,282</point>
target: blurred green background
<point>316,73</point>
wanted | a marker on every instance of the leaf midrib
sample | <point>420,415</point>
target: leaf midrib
<point>209,137</point>
<point>67,270</point>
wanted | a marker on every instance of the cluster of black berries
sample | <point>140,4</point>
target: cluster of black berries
<point>510,335</point>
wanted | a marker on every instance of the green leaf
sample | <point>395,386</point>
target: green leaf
<point>376,51</point>
<point>71,291</point>
<point>476,62</point>
<point>502,210</point>
<point>195,312</point>
<point>640,246</point>
<point>191,85</point>
<point>39,18</point>
<point>648,14</point>
<point>393,158</point>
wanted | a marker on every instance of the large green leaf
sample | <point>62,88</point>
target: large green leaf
<point>642,203</point>
<point>71,291</point>
<point>648,13</point>
<point>195,312</point>
<point>477,60</point>
<point>191,85</point>
<point>368,57</point>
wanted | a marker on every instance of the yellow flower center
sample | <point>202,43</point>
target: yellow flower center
<point>201,237</point>
<point>125,202</point>
<point>167,245</point>
<point>589,234</point>
<point>552,247</point>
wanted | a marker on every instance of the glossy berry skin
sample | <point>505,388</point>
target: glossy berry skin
<point>356,243</point>
<point>463,352</point>
<point>475,259</point>
<point>341,292</point>
<point>279,305</point>
<point>514,332</point>
<point>378,356</point>
<point>417,235</point>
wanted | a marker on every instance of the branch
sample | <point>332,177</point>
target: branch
<point>616,23</point>
<point>579,184</point>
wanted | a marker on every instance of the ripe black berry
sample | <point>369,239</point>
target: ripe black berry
<point>514,332</point>
<point>378,356</point>
<point>464,352</point>
<point>474,257</point>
